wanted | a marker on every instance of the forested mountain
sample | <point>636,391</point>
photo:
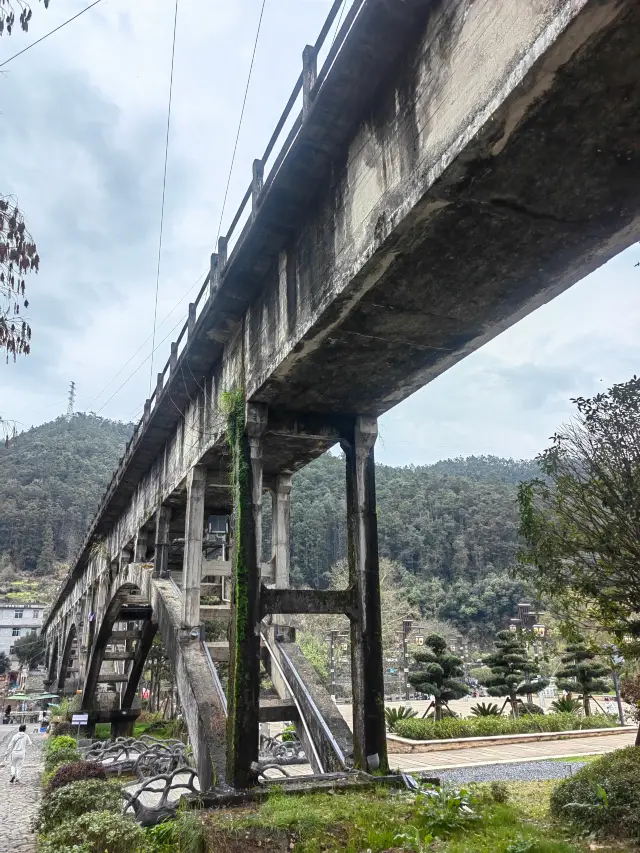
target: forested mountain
<point>452,526</point>
<point>52,478</point>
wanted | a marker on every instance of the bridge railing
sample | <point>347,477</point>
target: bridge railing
<point>305,89</point>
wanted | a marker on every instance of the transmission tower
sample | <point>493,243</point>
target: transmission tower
<point>72,399</point>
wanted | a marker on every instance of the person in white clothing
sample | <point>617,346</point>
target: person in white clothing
<point>17,750</point>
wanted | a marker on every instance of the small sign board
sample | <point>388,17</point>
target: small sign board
<point>79,719</point>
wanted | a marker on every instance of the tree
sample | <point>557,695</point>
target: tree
<point>30,649</point>
<point>511,670</point>
<point>8,15</point>
<point>18,256</point>
<point>5,663</point>
<point>581,520</point>
<point>438,672</point>
<point>46,558</point>
<point>582,673</point>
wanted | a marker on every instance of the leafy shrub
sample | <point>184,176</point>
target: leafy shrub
<point>55,744</point>
<point>567,705</point>
<point>289,734</point>
<point>444,810</point>
<point>55,759</point>
<point>447,713</point>
<point>392,715</point>
<point>485,709</point>
<point>96,832</point>
<point>76,799</point>
<point>78,771</point>
<point>602,797</point>
<point>499,792</point>
<point>529,708</point>
<point>185,834</point>
<point>418,729</point>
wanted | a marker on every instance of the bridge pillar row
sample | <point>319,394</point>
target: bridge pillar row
<point>192,564</point>
<point>369,734</point>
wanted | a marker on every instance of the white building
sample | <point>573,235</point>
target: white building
<point>18,620</point>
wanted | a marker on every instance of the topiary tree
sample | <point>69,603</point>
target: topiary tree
<point>582,673</point>
<point>511,670</point>
<point>438,672</point>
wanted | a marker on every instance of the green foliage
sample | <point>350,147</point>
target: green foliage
<point>392,715</point>
<point>95,832</point>
<point>452,526</point>
<point>529,708</point>
<point>289,733</point>
<point>55,744</point>
<point>76,799</point>
<point>566,705</point>
<point>30,649</point>
<point>444,810</point>
<point>511,671</point>
<point>580,519</point>
<point>78,771</point>
<point>185,834</point>
<point>418,729</point>
<point>499,792</point>
<point>5,663</point>
<point>316,651</point>
<point>485,709</point>
<point>53,477</point>
<point>602,797</point>
<point>582,673</point>
<point>437,672</point>
<point>64,755</point>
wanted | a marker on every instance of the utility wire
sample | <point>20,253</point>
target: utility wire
<point>342,11</point>
<point>244,104</point>
<point>145,342</point>
<point>33,44</point>
<point>164,191</point>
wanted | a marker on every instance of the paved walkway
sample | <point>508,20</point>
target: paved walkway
<point>505,753</point>
<point>483,755</point>
<point>19,803</point>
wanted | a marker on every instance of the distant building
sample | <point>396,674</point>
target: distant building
<point>18,620</point>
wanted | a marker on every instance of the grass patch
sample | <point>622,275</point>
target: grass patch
<point>429,729</point>
<point>575,759</point>
<point>372,821</point>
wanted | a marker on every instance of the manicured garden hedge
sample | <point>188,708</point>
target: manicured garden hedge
<point>418,729</point>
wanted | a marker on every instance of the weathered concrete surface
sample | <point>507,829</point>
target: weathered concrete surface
<point>327,739</point>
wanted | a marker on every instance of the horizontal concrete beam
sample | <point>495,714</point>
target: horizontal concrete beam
<point>118,656</point>
<point>125,635</point>
<point>278,711</point>
<point>291,601</point>
<point>219,652</point>
<point>112,678</point>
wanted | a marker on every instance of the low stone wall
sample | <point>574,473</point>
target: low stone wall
<point>403,746</point>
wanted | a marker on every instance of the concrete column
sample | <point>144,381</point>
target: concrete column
<point>161,559</point>
<point>370,743</point>
<point>281,529</point>
<point>194,531</point>
<point>140,547</point>
<point>244,666</point>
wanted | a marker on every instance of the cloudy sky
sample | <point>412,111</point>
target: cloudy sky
<point>83,122</point>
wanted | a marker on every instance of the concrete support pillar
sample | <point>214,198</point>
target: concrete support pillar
<point>281,529</point>
<point>140,547</point>
<point>244,667</point>
<point>370,743</point>
<point>194,531</point>
<point>161,560</point>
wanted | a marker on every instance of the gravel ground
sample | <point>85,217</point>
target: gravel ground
<point>526,771</point>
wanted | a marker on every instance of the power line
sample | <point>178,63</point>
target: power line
<point>164,190</point>
<point>145,342</point>
<point>244,104</point>
<point>33,44</point>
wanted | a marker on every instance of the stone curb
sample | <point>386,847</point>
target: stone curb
<point>402,746</point>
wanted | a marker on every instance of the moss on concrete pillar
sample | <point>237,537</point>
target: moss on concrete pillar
<point>245,425</point>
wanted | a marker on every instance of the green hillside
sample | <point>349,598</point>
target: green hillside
<point>53,477</point>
